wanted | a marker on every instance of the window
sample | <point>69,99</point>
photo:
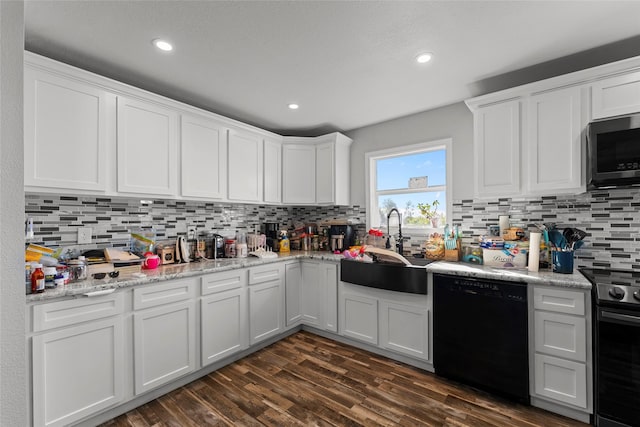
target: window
<point>413,179</point>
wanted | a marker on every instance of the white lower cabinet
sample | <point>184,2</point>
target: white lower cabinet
<point>78,369</point>
<point>165,334</point>
<point>224,324</point>
<point>358,317</point>
<point>311,295</point>
<point>266,302</point>
<point>293,284</point>
<point>394,321</point>
<point>405,329</point>
<point>328,279</point>
<point>561,380</point>
<point>223,315</point>
<point>561,354</point>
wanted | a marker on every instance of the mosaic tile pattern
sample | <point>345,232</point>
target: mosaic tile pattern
<point>611,217</point>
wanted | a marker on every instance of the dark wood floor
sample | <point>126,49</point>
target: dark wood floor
<point>309,380</point>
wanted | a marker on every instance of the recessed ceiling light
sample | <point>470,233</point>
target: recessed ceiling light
<point>293,106</point>
<point>163,45</point>
<point>423,58</point>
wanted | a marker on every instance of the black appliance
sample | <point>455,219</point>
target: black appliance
<point>480,334</point>
<point>218,246</point>
<point>271,231</point>
<point>616,346</point>
<point>614,151</point>
<point>341,237</point>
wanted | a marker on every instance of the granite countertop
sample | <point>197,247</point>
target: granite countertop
<point>575,280</point>
<point>173,271</point>
<point>179,271</point>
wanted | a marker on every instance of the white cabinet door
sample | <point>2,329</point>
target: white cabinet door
<point>244,175</point>
<point>203,160</point>
<point>405,329</point>
<point>358,317</point>
<point>147,148</point>
<point>65,133</point>
<point>561,380</point>
<point>554,142</point>
<point>561,335</point>
<point>265,311</point>
<point>293,283</point>
<point>325,172</point>
<point>497,149</point>
<point>616,95</point>
<point>272,171</point>
<point>311,294</point>
<point>164,344</point>
<point>223,324</point>
<point>329,284</point>
<point>77,371</point>
<point>298,173</point>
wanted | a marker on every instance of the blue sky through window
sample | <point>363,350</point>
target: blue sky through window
<point>394,172</point>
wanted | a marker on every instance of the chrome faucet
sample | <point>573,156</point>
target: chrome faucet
<point>399,245</point>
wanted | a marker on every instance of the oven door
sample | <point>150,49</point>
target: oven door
<point>617,368</point>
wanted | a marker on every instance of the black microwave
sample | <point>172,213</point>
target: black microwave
<point>613,146</point>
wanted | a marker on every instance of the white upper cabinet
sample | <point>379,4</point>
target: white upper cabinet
<point>147,148</point>
<point>616,95</point>
<point>272,170</point>
<point>332,169</point>
<point>244,166</point>
<point>65,133</point>
<point>554,158</point>
<point>203,158</point>
<point>316,170</point>
<point>298,173</point>
<point>497,149</point>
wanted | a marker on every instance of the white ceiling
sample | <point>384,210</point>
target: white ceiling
<point>348,64</point>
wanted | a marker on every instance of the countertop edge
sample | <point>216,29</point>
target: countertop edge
<point>575,280</point>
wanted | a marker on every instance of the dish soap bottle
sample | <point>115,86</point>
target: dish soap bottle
<point>284,243</point>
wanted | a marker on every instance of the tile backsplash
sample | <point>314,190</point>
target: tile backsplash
<point>611,217</point>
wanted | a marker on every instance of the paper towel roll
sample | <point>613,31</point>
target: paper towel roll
<point>534,251</point>
<point>503,221</point>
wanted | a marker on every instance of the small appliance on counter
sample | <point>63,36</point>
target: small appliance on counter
<point>218,247</point>
<point>271,230</point>
<point>341,237</point>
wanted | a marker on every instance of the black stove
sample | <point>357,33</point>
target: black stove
<point>615,287</point>
<point>616,346</point>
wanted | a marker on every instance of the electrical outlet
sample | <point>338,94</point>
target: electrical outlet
<point>84,235</point>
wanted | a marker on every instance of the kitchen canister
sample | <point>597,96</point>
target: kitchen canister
<point>562,261</point>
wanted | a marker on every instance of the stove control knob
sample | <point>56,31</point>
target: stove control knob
<point>616,292</point>
<point>636,295</point>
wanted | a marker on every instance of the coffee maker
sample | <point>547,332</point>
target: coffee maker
<point>341,237</point>
<point>271,230</point>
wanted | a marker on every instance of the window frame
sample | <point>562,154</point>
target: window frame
<point>371,157</point>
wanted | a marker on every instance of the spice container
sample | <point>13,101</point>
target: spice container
<point>49,276</point>
<point>77,269</point>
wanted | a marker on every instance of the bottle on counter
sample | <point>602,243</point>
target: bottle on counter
<point>284,243</point>
<point>241,245</point>
<point>37,279</point>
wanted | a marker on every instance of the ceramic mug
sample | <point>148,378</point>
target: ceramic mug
<point>151,262</point>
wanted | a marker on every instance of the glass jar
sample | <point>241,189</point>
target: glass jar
<point>77,269</point>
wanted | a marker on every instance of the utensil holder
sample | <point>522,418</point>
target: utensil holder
<point>453,254</point>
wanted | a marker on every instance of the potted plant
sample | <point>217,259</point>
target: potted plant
<point>429,211</point>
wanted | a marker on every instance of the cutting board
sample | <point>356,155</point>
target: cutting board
<point>112,254</point>
<point>386,255</point>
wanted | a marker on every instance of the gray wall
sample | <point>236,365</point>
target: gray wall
<point>13,360</point>
<point>453,121</point>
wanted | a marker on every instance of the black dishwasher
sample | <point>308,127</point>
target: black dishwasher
<point>480,334</point>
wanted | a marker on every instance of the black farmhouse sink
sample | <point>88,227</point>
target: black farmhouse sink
<point>390,276</point>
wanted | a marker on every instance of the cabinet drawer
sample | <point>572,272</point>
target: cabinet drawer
<point>164,293</point>
<point>226,281</point>
<point>64,313</point>
<point>561,380</point>
<point>265,273</point>
<point>559,300</point>
<point>561,335</point>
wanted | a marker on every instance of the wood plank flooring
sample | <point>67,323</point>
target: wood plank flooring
<point>307,380</point>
